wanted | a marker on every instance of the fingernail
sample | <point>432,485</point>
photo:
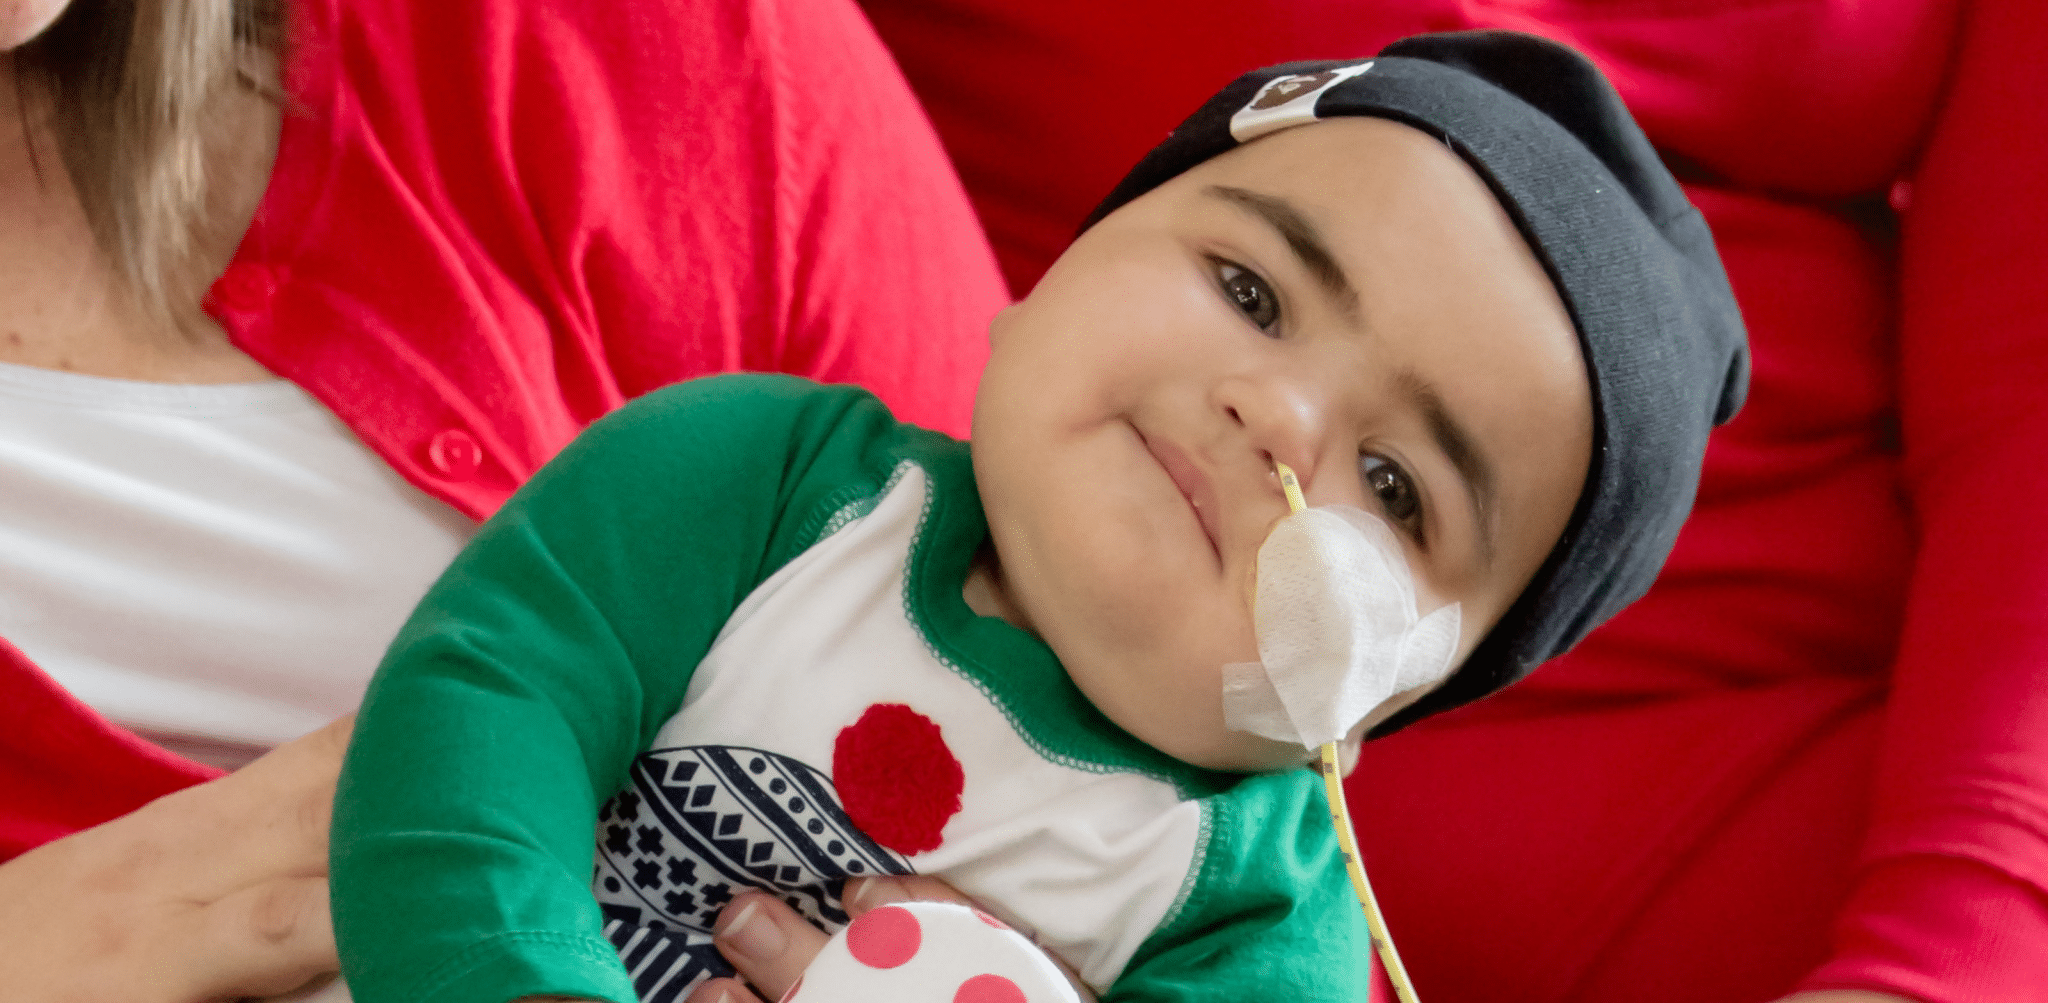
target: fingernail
<point>758,941</point>
<point>879,891</point>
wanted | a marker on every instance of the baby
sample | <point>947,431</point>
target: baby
<point>794,641</point>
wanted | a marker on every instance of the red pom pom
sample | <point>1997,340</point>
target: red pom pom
<point>896,778</point>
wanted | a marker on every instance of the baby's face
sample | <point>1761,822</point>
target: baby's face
<point>1346,297</point>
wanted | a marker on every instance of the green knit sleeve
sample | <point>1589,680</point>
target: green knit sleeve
<point>1270,914</point>
<point>544,659</point>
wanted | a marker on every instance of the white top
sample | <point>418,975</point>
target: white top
<point>1085,861</point>
<point>223,563</point>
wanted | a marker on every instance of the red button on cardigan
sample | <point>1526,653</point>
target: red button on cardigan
<point>454,453</point>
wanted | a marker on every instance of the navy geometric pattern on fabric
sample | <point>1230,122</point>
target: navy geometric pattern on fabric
<point>699,824</point>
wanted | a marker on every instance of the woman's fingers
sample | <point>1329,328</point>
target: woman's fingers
<point>767,941</point>
<point>270,818</point>
<point>265,926</point>
<point>215,891</point>
<point>67,934</point>
<point>310,761</point>
<point>263,940</point>
<point>265,821</point>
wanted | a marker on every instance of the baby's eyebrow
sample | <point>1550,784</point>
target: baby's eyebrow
<point>1459,445</point>
<point>1302,238</point>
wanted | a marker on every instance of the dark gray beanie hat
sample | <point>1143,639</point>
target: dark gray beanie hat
<point>1630,256</point>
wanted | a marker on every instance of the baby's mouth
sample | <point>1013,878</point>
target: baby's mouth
<point>1188,480</point>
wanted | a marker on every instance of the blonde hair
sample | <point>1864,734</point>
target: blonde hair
<point>139,89</point>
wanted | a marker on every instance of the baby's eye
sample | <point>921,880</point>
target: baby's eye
<point>1251,294</point>
<point>1395,491</point>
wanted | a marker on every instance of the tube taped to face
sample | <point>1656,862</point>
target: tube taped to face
<point>1338,630</point>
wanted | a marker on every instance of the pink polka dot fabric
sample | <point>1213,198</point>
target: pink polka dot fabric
<point>885,938</point>
<point>931,952</point>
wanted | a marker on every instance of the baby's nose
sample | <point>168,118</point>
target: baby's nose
<point>1283,418</point>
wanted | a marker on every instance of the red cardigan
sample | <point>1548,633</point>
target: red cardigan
<point>491,221</point>
<point>1817,754</point>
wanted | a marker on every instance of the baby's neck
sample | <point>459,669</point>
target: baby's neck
<point>986,594</point>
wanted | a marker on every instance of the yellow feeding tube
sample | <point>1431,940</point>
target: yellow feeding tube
<point>1340,816</point>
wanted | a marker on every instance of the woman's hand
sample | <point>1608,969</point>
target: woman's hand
<point>218,890</point>
<point>771,945</point>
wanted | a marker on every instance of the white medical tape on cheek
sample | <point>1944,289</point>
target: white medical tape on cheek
<point>1337,628</point>
<point>1251,704</point>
